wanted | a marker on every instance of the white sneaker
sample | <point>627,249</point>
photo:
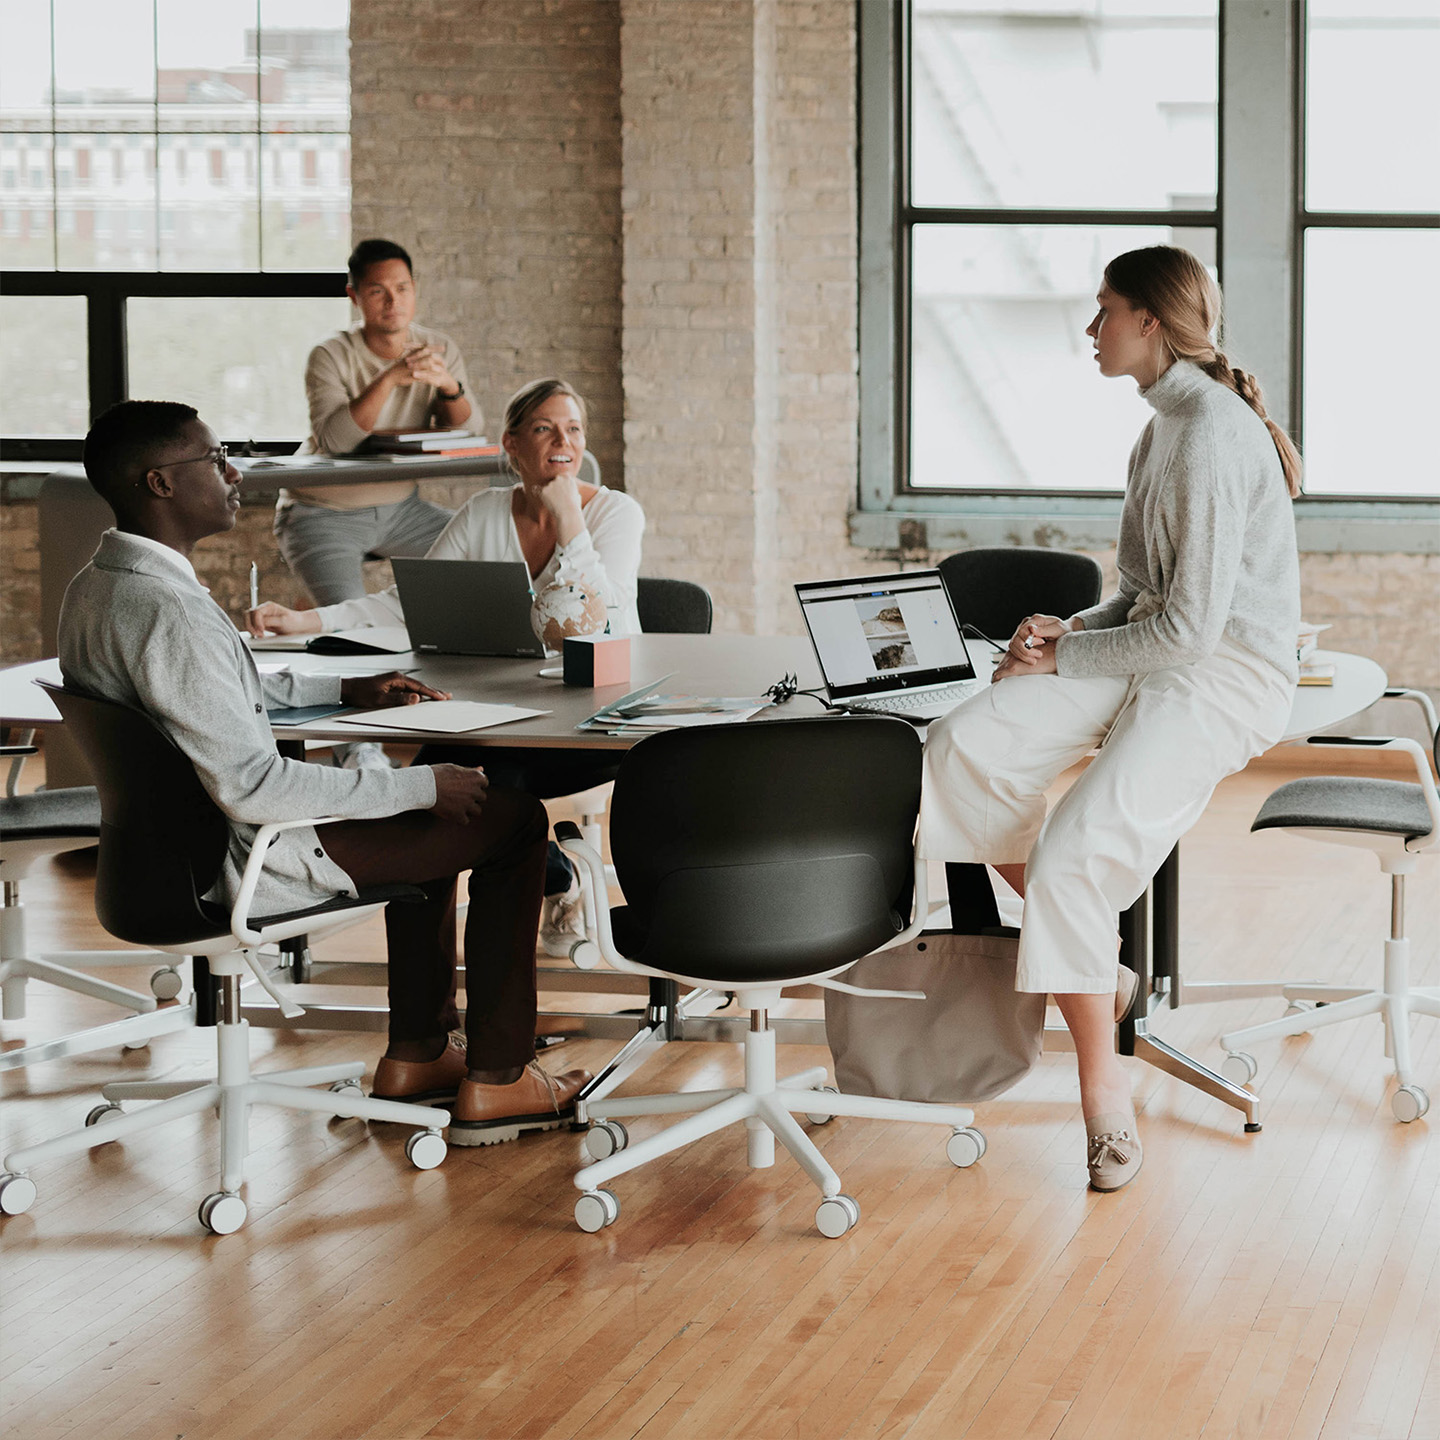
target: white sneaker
<point>562,922</point>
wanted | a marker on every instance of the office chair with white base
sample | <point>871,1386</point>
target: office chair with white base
<point>1400,822</point>
<point>755,857</point>
<point>162,844</point>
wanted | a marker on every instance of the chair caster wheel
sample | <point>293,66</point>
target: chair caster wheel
<point>965,1147</point>
<point>1239,1068</point>
<point>101,1113</point>
<point>606,1138</point>
<point>425,1149</point>
<point>821,1117</point>
<point>835,1215</point>
<point>1409,1103</point>
<point>596,1209</point>
<point>339,1087</point>
<point>585,955</point>
<point>166,984</point>
<point>222,1214</point>
<point>17,1194</point>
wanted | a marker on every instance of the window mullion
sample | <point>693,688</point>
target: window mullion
<point>1258,183</point>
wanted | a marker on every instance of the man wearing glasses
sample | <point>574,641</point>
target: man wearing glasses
<point>137,627</point>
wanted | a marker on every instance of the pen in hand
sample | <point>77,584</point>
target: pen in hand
<point>254,584</point>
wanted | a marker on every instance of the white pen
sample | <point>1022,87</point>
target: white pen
<point>254,584</point>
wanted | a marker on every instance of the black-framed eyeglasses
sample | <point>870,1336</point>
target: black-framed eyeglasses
<point>218,457</point>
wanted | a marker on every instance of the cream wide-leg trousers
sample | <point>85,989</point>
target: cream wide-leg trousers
<point>1166,740</point>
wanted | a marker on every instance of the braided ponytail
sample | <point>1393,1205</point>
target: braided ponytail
<point>1178,291</point>
<point>1247,387</point>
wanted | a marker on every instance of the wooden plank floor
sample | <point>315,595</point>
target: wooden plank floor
<point>1279,1285</point>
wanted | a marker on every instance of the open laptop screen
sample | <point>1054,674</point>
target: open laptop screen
<point>881,633</point>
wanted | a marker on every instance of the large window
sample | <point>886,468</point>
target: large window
<point>1295,148</point>
<point>174,208</point>
<point>1369,253</point>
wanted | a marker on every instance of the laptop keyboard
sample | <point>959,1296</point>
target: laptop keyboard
<point>929,702</point>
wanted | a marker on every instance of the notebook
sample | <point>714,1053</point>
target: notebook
<point>467,607</point>
<point>889,644</point>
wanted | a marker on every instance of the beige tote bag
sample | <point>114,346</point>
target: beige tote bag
<point>970,1039</point>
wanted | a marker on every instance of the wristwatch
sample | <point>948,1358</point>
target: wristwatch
<point>459,391</point>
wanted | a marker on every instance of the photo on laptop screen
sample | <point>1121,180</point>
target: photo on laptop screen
<point>879,633</point>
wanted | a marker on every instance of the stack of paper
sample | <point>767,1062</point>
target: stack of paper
<point>642,712</point>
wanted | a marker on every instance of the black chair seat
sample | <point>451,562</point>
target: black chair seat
<point>368,895</point>
<point>1347,802</point>
<point>51,815</point>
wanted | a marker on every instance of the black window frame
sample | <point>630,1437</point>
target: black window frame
<point>106,293</point>
<point>893,515</point>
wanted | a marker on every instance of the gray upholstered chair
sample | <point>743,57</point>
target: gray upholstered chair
<point>1400,821</point>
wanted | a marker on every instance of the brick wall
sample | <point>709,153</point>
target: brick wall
<point>19,579</point>
<point>486,139</point>
<point>740,293</point>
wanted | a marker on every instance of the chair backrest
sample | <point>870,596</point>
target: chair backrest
<point>995,588</point>
<point>162,839</point>
<point>761,852</point>
<point>673,607</point>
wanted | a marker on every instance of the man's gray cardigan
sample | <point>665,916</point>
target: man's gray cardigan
<point>137,627</point>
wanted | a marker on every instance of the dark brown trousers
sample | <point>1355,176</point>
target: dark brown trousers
<point>504,851</point>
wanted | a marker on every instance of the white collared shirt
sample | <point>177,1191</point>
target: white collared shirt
<point>165,552</point>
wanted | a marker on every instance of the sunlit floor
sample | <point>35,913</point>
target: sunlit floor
<point>1280,1284</point>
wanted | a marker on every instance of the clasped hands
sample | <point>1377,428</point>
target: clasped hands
<point>1037,657</point>
<point>423,365</point>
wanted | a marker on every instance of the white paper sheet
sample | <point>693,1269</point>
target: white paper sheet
<point>444,717</point>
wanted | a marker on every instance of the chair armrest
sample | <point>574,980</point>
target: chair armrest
<point>1422,772</point>
<point>1422,700</point>
<point>17,754</point>
<point>567,835</point>
<point>920,909</point>
<point>265,837</point>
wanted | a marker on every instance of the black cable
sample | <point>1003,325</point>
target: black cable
<point>979,634</point>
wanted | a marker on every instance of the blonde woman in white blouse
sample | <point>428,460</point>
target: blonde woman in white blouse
<point>567,532</point>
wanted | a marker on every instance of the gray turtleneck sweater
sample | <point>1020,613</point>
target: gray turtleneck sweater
<point>1207,541</point>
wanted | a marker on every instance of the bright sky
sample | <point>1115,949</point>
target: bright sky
<point>111,43</point>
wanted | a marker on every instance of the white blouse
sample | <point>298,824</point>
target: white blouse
<point>604,558</point>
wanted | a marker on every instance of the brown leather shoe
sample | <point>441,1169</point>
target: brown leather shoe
<point>423,1082</point>
<point>490,1114</point>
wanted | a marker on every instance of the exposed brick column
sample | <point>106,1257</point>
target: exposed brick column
<point>486,139</point>
<point>739,293</point>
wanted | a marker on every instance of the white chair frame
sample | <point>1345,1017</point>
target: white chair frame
<point>234,1089</point>
<point>765,1103</point>
<point>1397,999</point>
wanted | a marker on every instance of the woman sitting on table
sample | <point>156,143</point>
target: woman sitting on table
<point>1180,677</point>
<point>581,544</point>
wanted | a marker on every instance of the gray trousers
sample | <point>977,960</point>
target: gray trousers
<point>326,548</point>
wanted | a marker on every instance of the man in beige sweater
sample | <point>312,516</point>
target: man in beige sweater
<point>388,374</point>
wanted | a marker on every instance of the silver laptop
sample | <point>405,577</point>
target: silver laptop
<point>467,607</point>
<point>889,644</point>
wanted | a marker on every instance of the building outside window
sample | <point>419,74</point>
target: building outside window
<point>1027,144</point>
<point>136,132</point>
